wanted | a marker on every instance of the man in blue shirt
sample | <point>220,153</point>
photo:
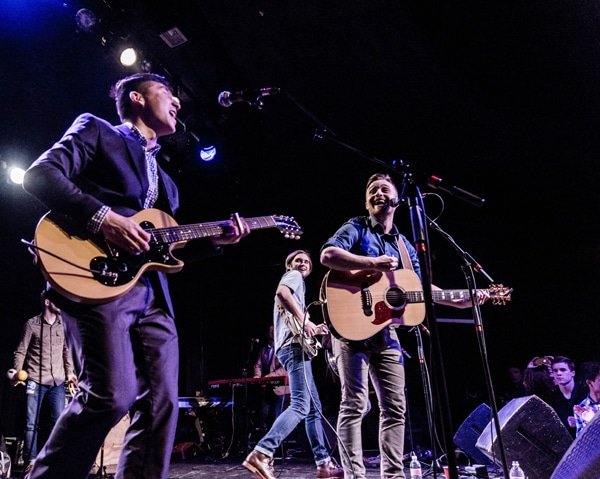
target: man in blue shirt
<point>373,243</point>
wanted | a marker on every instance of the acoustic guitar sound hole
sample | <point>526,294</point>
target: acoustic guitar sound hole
<point>395,297</point>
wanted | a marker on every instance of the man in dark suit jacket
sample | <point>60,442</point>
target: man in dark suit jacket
<point>93,179</point>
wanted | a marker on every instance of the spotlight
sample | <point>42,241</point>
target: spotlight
<point>128,57</point>
<point>208,153</point>
<point>146,66</point>
<point>86,20</point>
<point>16,175</point>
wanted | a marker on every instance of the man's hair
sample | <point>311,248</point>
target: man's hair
<point>589,371</point>
<point>290,257</point>
<point>564,359</point>
<point>121,90</point>
<point>379,176</point>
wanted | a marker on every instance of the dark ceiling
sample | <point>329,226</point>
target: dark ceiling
<point>498,97</point>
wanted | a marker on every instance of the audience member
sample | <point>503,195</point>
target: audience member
<point>585,411</point>
<point>568,392</point>
<point>511,385</point>
<point>537,379</point>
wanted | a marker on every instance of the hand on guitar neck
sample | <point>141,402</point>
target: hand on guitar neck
<point>129,236</point>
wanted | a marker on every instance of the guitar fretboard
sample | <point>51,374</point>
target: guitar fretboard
<point>444,295</point>
<point>175,234</point>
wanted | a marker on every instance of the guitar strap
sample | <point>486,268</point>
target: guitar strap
<point>404,256</point>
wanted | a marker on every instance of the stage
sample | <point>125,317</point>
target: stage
<point>295,469</point>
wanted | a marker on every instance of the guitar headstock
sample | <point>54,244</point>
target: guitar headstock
<point>499,294</point>
<point>288,226</point>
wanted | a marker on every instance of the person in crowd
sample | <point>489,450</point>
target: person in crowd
<point>292,329</point>
<point>273,398</point>
<point>94,179</point>
<point>587,409</point>
<point>373,243</point>
<point>568,391</point>
<point>511,385</point>
<point>537,378</point>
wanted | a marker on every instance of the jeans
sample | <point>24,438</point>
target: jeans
<point>379,358</point>
<point>36,395</point>
<point>301,407</point>
<point>128,360</point>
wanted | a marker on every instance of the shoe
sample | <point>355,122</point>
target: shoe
<point>260,465</point>
<point>329,471</point>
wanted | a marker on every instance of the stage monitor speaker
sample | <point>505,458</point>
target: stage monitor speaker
<point>582,459</point>
<point>532,433</point>
<point>469,431</point>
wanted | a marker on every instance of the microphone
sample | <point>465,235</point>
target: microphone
<point>255,340</point>
<point>398,201</point>
<point>437,183</point>
<point>227,98</point>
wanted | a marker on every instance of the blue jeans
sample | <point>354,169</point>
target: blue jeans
<point>301,407</point>
<point>128,360</point>
<point>379,358</point>
<point>36,394</point>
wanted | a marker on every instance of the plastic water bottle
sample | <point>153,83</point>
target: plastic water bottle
<point>516,472</point>
<point>415,468</point>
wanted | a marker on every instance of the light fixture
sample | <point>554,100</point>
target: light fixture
<point>128,57</point>
<point>16,175</point>
<point>86,20</point>
<point>208,153</point>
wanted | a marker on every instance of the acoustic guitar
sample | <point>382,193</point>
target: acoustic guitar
<point>361,303</point>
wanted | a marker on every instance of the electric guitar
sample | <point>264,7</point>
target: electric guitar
<point>361,303</point>
<point>311,345</point>
<point>93,271</point>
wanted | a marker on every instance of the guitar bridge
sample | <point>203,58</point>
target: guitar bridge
<point>112,277</point>
<point>366,299</point>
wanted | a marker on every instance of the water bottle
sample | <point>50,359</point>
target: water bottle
<point>415,467</point>
<point>516,472</point>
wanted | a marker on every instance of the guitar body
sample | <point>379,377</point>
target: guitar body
<point>67,261</point>
<point>310,345</point>
<point>362,303</point>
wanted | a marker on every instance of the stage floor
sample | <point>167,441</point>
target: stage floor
<point>234,469</point>
<point>296,469</point>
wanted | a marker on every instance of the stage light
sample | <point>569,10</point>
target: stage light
<point>86,20</point>
<point>128,57</point>
<point>16,175</point>
<point>208,153</point>
<point>146,66</point>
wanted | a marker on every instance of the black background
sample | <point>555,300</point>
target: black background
<point>498,97</point>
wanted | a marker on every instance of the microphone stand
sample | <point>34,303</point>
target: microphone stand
<point>412,193</point>
<point>469,265</point>
<point>426,385</point>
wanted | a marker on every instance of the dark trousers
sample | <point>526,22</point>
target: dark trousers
<point>128,358</point>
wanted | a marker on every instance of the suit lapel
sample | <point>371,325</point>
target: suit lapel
<point>136,156</point>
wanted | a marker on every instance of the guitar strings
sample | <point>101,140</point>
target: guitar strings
<point>31,244</point>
